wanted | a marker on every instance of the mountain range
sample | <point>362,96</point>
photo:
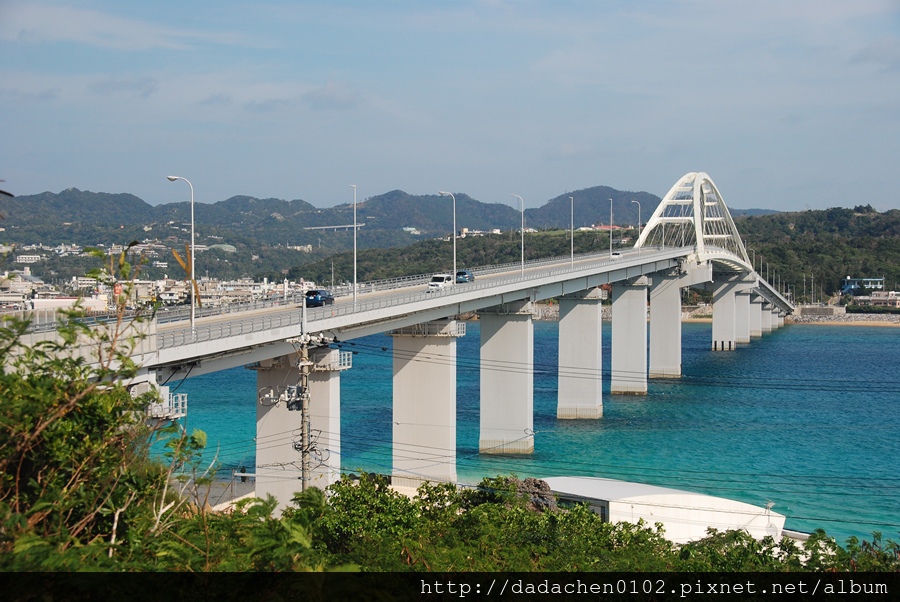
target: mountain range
<point>82,217</point>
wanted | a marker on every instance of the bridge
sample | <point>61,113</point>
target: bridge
<point>690,241</point>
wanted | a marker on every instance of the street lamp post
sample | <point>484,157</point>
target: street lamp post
<point>522,203</point>
<point>754,257</point>
<point>353,186</point>
<point>450,194</point>
<point>572,229</point>
<point>610,228</point>
<point>639,220</point>
<point>193,285</point>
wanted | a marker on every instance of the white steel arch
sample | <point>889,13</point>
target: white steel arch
<point>693,213</point>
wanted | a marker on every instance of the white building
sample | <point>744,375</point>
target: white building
<point>685,515</point>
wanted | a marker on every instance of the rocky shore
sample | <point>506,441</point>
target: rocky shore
<point>849,319</point>
<point>548,311</point>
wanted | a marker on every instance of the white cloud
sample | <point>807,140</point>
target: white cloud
<point>475,93</point>
<point>38,95</point>
<point>43,23</point>
<point>332,96</point>
<point>884,52</point>
<point>570,150</point>
<point>140,86</point>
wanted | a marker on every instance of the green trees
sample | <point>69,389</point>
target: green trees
<point>78,486</point>
<point>497,527</point>
<point>825,246</point>
<point>79,489</point>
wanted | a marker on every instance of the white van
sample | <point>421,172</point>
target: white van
<point>439,282</point>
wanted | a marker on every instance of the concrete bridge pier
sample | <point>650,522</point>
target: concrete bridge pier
<point>580,391</point>
<point>325,413</point>
<point>725,312</point>
<point>424,409</point>
<point>742,317</point>
<point>766,318</point>
<point>755,315</point>
<point>507,379</point>
<point>279,423</point>
<point>629,337</point>
<point>665,319</point>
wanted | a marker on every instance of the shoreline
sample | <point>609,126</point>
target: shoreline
<point>880,320</point>
<point>550,312</point>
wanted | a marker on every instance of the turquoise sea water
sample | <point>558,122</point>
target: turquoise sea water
<point>807,417</point>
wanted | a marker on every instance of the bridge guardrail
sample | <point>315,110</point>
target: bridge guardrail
<point>292,317</point>
<point>165,316</point>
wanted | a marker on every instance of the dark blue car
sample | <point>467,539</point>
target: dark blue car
<point>464,276</point>
<point>318,298</point>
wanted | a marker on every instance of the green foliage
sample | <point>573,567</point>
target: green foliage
<point>739,551</point>
<point>73,456</point>
<point>828,245</point>
<point>868,309</point>
<point>363,512</point>
<point>493,527</point>
<point>875,555</point>
<point>79,490</point>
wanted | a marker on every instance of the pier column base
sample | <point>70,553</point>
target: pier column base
<point>507,379</point>
<point>725,312</point>
<point>580,391</point>
<point>629,337</point>
<point>777,320</point>
<point>424,429</point>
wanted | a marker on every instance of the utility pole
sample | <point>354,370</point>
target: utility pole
<point>300,401</point>
<point>305,365</point>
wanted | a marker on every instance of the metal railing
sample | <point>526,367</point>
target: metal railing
<point>292,316</point>
<point>174,407</point>
<point>455,328</point>
<point>334,361</point>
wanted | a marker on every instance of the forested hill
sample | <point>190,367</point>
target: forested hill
<point>88,218</point>
<point>824,245</point>
<point>829,245</point>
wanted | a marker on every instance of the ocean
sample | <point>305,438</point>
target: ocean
<point>806,418</point>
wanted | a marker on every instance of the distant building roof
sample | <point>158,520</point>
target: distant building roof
<point>853,284</point>
<point>685,515</point>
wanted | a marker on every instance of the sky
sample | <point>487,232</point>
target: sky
<point>786,105</point>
